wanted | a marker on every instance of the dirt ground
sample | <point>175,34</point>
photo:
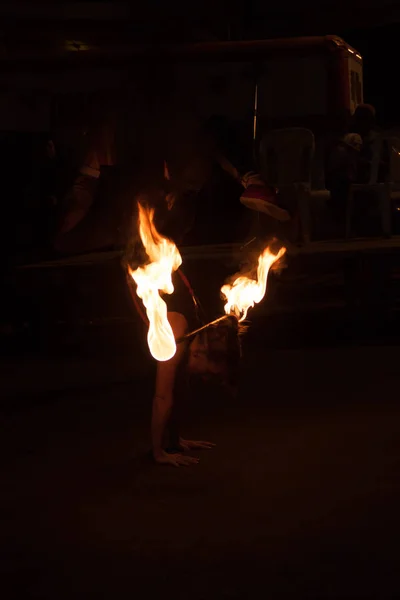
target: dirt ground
<point>298,500</point>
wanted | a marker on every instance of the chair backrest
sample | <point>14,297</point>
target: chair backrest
<point>286,156</point>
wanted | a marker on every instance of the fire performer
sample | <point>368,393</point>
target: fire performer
<point>214,354</point>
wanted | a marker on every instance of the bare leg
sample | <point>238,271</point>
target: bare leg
<point>164,398</point>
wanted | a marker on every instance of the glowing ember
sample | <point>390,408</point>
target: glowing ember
<point>153,278</point>
<point>244,292</point>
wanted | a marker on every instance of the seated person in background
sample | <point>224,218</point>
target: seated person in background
<point>364,124</point>
<point>351,158</point>
<point>341,172</point>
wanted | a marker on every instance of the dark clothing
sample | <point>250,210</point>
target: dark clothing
<point>219,215</point>
<point>366,157</point>
<point>181,301</point>
<point>341,172</point>
<point>176,222</point>
<point>231,139</point>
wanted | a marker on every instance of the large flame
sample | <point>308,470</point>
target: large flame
<point>244,292</point>
<point>153,278</point>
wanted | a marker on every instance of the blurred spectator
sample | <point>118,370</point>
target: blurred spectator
<point>232,185</point>
<point>81,228</point>
<point>351,157</point>
<point>80,196</point>
<point>341,172</point>
<point>364,124</point>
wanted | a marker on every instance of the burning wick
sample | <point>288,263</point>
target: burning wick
<point>153,278</point>
<point>244,292</point>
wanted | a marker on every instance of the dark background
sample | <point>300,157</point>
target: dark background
<point>371,27</point>
<point>300,498</point>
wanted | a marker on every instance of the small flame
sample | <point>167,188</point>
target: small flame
<point>153,278</point>
<point>244,292</point>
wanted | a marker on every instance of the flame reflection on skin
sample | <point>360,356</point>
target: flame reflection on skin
<point>153,278</point>
<point>244,292</point>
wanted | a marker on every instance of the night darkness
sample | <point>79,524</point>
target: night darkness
<point>380,50</point>
<point>293,492</point>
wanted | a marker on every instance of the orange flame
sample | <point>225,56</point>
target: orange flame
<point>244,292</point>
<point>153,278</point>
